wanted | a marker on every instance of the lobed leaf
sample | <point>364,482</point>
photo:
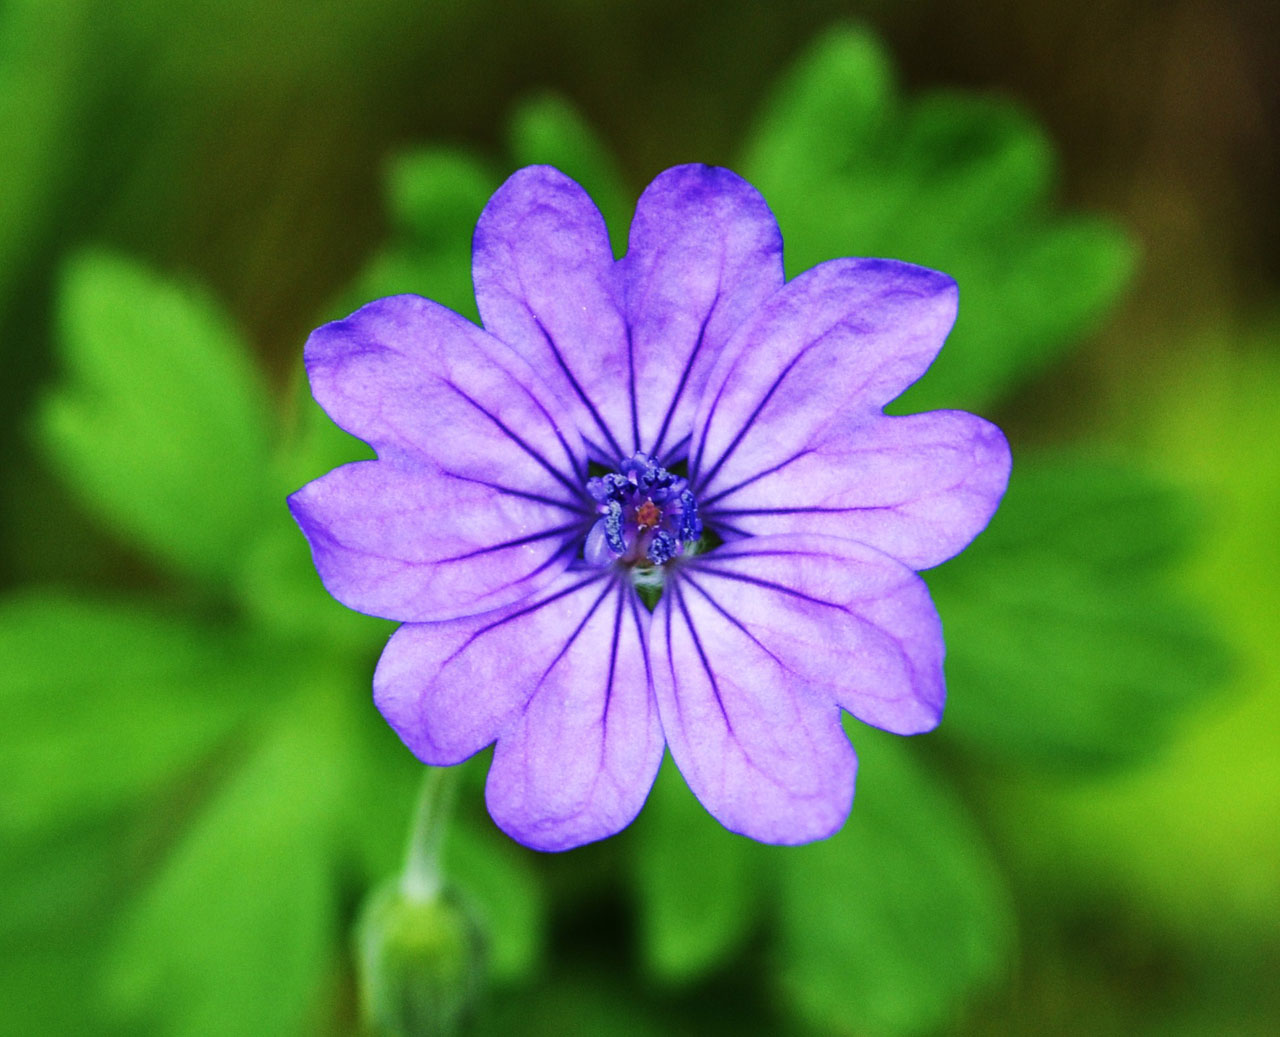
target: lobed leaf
<point>891,924</point>
<point>160,424</point>
<point>950,181</point>
<point>700,889</point>
<point>235,933</point>
<point>106,703</point>
<point>1065,648</point>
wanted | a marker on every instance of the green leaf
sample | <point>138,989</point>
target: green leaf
<point>435,197</point>
<point>547,129</point>
<point>284,597</point>
<point>692,918</point>
<point>828,109</point>
<point>105,703</point>
<point>891,924</point>
<point>59,898</point>
<point>955,182</point>
<point>160,424</point>
<point>234,935</point>
<point>1191,839</point>
<point>1064,646</point>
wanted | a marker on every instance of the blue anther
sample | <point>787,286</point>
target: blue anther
<point>662,548</point>
<point>690,527</point>
<point>613,529</point>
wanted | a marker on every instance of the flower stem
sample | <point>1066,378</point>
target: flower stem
<point>421,880</point>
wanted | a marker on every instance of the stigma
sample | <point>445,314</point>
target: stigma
<point>648,515</point>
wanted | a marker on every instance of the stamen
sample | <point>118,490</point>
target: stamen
<point>662,548</point>
<point>613,528</point>
<point>648,515</point>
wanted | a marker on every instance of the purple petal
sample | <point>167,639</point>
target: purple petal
<point>417,545</point>
<point>704,252</point>
<point>546,286</point>
<point>918,488</point>
<point>837,343</point>
<point>578,762</point>
<point>561,682</point>
<point>838,616</point>
<point>756,643</point>
<point>416,381</point>
<point>764,753</point>
<point>476,488</point>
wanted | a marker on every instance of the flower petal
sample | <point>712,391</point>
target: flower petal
<point>837,616</point>
<point>838,342</point>
<point>577,764</point>
<point>546,286</point>
<point>561,682</point>
<point>757,643</point>
<point>417,544</point>
<point>477,486</point>
<point>918,488</point>
<point>764,752</point>
<point>704,253</point>
<point>416,381</point>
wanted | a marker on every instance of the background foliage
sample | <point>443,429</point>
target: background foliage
<point>196,794</point>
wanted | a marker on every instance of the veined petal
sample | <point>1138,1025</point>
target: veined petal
<point>578,762</point>
<point>546,286</point>
<point>704,253</point>
<point>561,682</point>
<point>754,647</point>
<point>852,624</point>
<point>918,488</point>
<point>418,544</point>
<point>837,343</point>
<point>477,487</point>
<point>420,384</point>
<point>763,751</point>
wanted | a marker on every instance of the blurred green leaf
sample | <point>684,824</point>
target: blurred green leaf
<point>693,916</point>
<point>950,181</point>
<point>1064,647</point>
<point>889,925</point>
<point>1095,513</point>
<point>546,129</point>
<point>284,597</point>
<point>58,898</point>
<point>104,703</point>
<point>1191,839</point>
<point>435,196</point>
<point>236,931</point>
<point>827,110</point>
<point>161,424</point>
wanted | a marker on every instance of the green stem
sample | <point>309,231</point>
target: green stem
<point>421,879</point>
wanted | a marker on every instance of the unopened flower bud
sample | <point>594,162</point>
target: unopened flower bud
<point>420,962</point>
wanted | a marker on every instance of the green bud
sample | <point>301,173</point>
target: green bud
<point>420,961</point>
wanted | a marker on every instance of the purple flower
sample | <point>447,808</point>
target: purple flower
<point>681,424</point>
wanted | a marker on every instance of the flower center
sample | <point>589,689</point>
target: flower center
<point>648,515</point>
